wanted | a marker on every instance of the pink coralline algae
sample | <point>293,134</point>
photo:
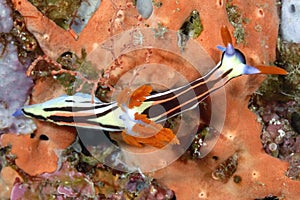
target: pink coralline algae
<point>71,184</point>
<point>280,136</point>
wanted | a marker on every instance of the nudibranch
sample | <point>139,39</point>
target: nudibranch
<point>138,114</point>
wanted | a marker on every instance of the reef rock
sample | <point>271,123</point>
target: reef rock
<point>257,175</point>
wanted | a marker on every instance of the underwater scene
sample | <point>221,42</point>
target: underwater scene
<point>150,99</point>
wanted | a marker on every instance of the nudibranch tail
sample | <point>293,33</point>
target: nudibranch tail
<point>18,113</point>
<point>77,110</point>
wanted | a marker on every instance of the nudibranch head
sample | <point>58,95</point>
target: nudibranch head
<point>230,50</point>
<point>233,64</point>
<point>233,58</point>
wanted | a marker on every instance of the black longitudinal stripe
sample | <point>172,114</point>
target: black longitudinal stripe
<point>84,119</point>
<point>226,73</point>
<point>188,94</point>
<point>67,109</point>
<point>193,85</point>
<point>77,119</point>
<point>69,101</point>
<point>76,108</point>
<point>101,114</point>
<point>178,100</point>
<point>158,109</point>
<point>168,94</point>
<point>34,116</point>
<point>191,95</point>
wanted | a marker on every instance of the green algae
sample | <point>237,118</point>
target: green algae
<point>134,2</point>
<point>224,171</point>
<point>26,43</point>
<point>236,19</point>
<point>71,61</point>
<point>286,87</point>
<point>192,26</point>
<point>67,81</point>
<point>73,72</point>
<point>157,3</point>
<point>160,31</point>
<point>61,12</point>
<point>289,59</point>
<point>4,153</point>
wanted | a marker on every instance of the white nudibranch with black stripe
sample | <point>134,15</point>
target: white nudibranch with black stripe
<point>130,113</point>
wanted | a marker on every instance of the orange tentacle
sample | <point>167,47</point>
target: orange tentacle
<point>225,34</point>
<point>271,70</point>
